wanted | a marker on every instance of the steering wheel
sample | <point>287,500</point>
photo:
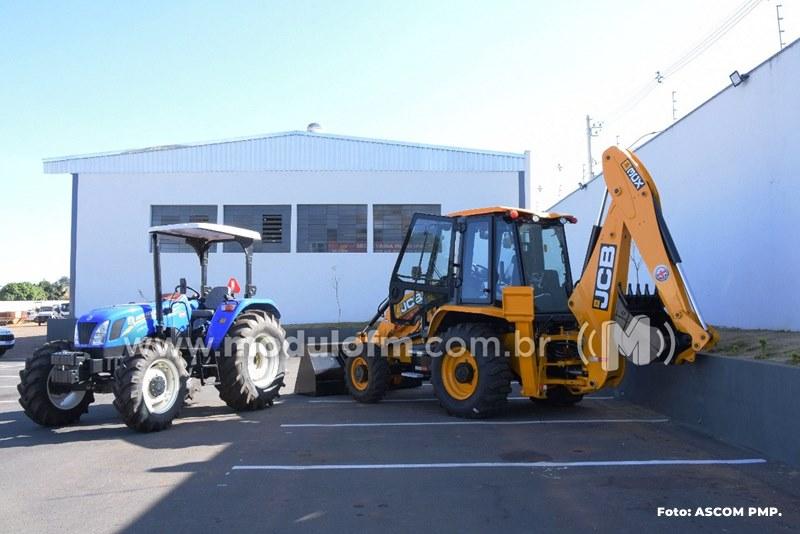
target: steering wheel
<point>195,294</point>
<point>479,271</point>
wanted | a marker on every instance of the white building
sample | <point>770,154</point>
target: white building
<point>331,210</point>
<point>729,178</point>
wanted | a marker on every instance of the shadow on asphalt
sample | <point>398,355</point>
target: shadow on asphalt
<point>192,428</point>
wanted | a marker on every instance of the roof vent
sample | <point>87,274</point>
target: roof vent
<point>313,127</point>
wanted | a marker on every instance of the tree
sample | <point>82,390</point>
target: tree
<point>63,284</point>
<point>22,291</point>
<point>55,290</point>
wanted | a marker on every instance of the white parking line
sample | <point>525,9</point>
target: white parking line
<point>466,422</point>
<point>8,402</point>
<point>526,465</point>
<point>353,401</point>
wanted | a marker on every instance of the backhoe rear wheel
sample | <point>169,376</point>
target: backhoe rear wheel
<point>471,377</point>
<point>150,385</point>
<point>252,364</point>
<point>367,377</point>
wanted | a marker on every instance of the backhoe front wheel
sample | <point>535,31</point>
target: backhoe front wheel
<point>150,386</point>
<point>470,376</point>
<point>252,365</point>
<point>367,377</point>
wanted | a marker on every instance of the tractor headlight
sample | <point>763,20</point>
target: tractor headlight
<point>76,340</point>
<point>99,335</point>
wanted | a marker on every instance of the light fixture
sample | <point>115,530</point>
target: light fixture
<point>737,78</point>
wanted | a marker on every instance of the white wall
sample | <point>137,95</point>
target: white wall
<point>114,263</point>
<point>728,179</point>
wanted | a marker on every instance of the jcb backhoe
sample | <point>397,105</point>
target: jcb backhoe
<point>484,297</point>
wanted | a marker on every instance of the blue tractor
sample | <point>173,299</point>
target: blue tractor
<point>153,357</point>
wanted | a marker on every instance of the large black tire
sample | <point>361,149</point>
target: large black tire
<point>252,332</point>
<point>40,399</point>
<point>164,389</point>
<point>367,377</point>
<point>487,382</point>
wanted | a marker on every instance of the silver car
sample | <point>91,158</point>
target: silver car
<point>7,340</point>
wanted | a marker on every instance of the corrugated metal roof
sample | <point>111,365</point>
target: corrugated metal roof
<point>290,151</point>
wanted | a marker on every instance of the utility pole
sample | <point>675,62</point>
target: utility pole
<point>780,24</point>
<point>674,109</point>
<point>592,130</point>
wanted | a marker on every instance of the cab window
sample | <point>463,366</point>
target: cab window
<point>475,278</point>
<point>506,257</point>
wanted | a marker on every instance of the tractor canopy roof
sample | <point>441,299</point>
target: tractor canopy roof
<point>491,210</point>
<point>208,232</point>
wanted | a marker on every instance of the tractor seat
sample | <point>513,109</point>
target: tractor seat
<point>210,303</point>
<point>214,298</point>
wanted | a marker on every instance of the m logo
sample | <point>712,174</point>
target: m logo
<point>605,275</point>
<point>633,176</point>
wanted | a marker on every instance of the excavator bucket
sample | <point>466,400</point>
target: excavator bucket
<point>320,373</point>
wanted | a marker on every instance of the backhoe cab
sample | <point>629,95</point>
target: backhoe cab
<point>481,298</point>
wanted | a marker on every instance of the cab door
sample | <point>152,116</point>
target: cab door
<point>423,274</point>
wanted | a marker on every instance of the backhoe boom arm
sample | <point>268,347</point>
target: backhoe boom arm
<point>599,300</point>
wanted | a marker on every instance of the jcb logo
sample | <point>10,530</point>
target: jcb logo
<point>633,176</point>
<point>605,274</point>
<point>410,303</point>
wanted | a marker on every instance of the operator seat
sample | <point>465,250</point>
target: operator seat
<point>557,299</point>
<point>210,303</point>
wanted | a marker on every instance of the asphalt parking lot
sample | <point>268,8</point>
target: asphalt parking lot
<point>310,464</point>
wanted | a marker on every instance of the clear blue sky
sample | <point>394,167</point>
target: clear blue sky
<point>94,76</point>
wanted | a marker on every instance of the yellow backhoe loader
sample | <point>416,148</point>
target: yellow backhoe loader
<point>482,298</point>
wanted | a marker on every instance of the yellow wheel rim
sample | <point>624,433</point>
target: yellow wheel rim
<point>359,377</point>
<point>460,374</point>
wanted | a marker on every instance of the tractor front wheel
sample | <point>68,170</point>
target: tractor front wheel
<point>470,377</point>
<point>150,385</point>
<point>253,362</point>
<point>46,403</point>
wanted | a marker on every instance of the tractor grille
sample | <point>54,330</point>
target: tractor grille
<point>85,332</point>
<point>6,337</point>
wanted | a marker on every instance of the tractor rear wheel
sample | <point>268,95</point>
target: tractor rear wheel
<point>253,362</point>
<point>46,403</point>
<point>150,385</point>
<point>367,377</point>
<point>470,377</point>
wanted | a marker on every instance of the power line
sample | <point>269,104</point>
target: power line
<point>689,56</point>
<point>731,22</point>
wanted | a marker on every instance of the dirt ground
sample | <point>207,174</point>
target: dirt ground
<point>772,345</point>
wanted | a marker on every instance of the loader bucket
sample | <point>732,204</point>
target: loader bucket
<point>320,374</point>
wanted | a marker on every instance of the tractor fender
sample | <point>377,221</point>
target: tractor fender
<point>453,313</point>
<point>225,315</point>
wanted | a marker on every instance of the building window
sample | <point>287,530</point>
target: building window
<point>272,222</point>
<point>390,223</point>
<point>163,215</point>
<point>332,228</point>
